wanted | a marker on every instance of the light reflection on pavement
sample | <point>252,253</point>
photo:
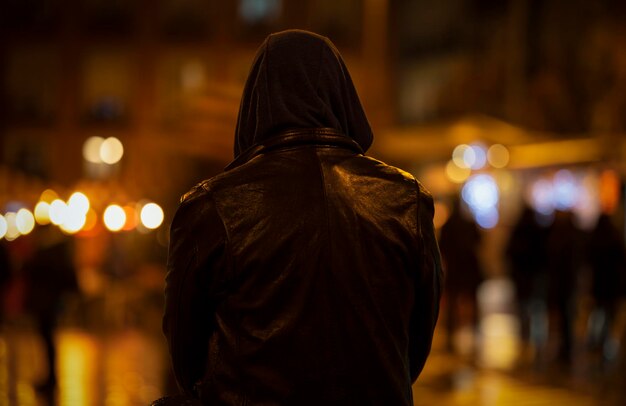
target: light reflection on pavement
<point>125,368</point>
<point>453,380</point>
<point>129,367</point>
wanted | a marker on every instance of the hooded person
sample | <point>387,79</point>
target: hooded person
<point>306,273</point>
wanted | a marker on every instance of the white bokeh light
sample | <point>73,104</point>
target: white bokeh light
<point>74,222</point>
<point>24,221</point>
<point>114,217</point>
<point>91,149</point>
<point>481,194</point>
<point>58,212</point>
<point>151,216</point>
<point>78,202</point>
<point>12,231</point>
<point>111,151</point>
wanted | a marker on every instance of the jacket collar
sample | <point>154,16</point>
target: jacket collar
<point>297,137</point>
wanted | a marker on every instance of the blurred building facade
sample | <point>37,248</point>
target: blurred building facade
<point>163,77</point>
<point>543,78</point>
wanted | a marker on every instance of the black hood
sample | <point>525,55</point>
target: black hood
<point>299,80</point>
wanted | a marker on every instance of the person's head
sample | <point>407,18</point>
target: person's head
<point>299,80</point>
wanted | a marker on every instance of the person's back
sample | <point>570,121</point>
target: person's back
<point>306,273</point>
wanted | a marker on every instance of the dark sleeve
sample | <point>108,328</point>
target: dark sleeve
<point>195,265</point>
<point>428,289</point>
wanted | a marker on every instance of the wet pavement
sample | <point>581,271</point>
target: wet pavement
<point>128,366</point>
<point>122,361</point>
<point>121,368</point>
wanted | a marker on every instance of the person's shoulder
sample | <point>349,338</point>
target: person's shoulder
<point>401,175</point>
<point>390,170</point>
<point>205,189</point>
<point>194,205</point>
<point>196,193</point>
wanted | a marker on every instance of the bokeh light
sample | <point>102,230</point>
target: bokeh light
<point>48,196</point>
<point>152,216</point>
<point>58,212</point>
<point>78,202</point>
<point>131,218</point>
<point>91,149</point>
<point>74,222</point>
<point>541,197</point>
<point>42,213</point>
<point>487,218</point>
<point>463,156</point>
<point>456,173</point>
<point>481,194</point>
<point>479,158</point>
<point>114,217</point>
<point>24,221</point>
<point>565,189</point>
<point>498,156</point>
<point>12,231</point>
<point>111,151</point>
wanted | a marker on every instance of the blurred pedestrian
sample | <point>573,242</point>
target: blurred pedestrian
<point>306,273</point>
<point>564,262</point>
<point>51,277</point>
<point>526,252</point>
<point>459,241</point>
<point>607,260</point>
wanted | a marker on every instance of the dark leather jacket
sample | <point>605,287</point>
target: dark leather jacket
<point>305,274</point>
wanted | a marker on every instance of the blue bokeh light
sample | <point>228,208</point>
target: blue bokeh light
<point>481,194</point>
